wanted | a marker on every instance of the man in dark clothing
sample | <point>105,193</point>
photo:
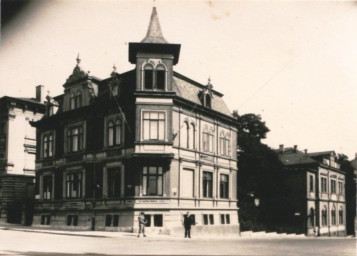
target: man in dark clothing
<point>188,221</point>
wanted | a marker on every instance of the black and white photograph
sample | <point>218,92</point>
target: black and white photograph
<point>167,127</point>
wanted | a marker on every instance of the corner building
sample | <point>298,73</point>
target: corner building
<point>148,140</point>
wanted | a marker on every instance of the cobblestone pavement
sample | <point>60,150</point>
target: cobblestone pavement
<point>29,241</point>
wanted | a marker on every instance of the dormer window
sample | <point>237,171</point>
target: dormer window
<point>76,100</point>
<point>154,78</point>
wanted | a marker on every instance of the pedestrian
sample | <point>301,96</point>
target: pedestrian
<point>188,221</point>
<point>142,222</point>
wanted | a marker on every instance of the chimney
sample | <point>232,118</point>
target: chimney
<point>281,148</point>
<point>295,148</point>
<point>40,93</point>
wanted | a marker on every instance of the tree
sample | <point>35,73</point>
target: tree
<point>260,175</point>
<point>350,192</point>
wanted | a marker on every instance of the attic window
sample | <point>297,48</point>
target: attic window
<point>207,101</point>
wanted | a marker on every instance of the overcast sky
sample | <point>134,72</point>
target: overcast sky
<point>294,63</point>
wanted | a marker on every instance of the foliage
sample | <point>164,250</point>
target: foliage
<point>260,175</point>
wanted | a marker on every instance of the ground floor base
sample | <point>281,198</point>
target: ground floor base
<point>219,222</point>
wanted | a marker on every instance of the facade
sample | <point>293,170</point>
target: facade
<point>17,156</point>
<point>148,140</point>
<point>316,192</point>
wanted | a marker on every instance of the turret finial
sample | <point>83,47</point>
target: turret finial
<point>78,59</point>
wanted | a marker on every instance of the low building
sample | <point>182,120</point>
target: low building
<point>315,192</point>
<point>148,140</point>
<point>17,156</point>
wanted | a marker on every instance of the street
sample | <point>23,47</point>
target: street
<point>43,242</point>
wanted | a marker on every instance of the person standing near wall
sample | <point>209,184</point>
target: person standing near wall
<point>188,221</point>
<point>142,222</point>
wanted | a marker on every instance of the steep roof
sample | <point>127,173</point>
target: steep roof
<point>190,90</point>
<point>291,156</point>
<point>154,34</point>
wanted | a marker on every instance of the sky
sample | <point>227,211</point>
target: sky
<point>292,62</point>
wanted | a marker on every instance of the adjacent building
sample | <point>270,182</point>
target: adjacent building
<point>316,192</point>
<point>17,155</point>
<point>148,140</point>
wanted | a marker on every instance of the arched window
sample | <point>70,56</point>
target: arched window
<point>148,77</point>
<point>118,132</point>
<point>333,215</point>
<point>110,133</point>
<point>324,216</point>
<point>78,99</point>
<point>184,135</point>
<point>114,132</point>
<point>160,77</point>
<point>340,216</point>
<point>312,217</point>
<point>192,136</point>
<point>73,100</point>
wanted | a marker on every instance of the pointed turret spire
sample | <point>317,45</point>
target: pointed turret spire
<point>154,33</point>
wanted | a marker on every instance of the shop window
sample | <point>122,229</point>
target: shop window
<point>158,220</point>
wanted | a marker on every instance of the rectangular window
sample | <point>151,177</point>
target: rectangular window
<point>153,125</point>
<point>72,220</point>
<point>340,187</point>
<point>152,180</point>
<point>340,216</point>
<point>211,219</point>
<point>224,145</point>
<point>158,220</point>
<point>224,186</point>
<point>114,182</point>
<point>333,217</point>
<point>207,184</point>
<point>207,142</point>
<point>47,145</point>
<point>223,219</point>
<point>228,219</point>
<point>205,219</point>
<point>333,186</point>
<point>45,219</point>
<point>74,185</point>
<point>108,220</point>
<point>47,187</point>
<point>323,185</point>
<point>116,220</point>
<point>75,139</point>
<point>186,178</point>
<point>311,183</point>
